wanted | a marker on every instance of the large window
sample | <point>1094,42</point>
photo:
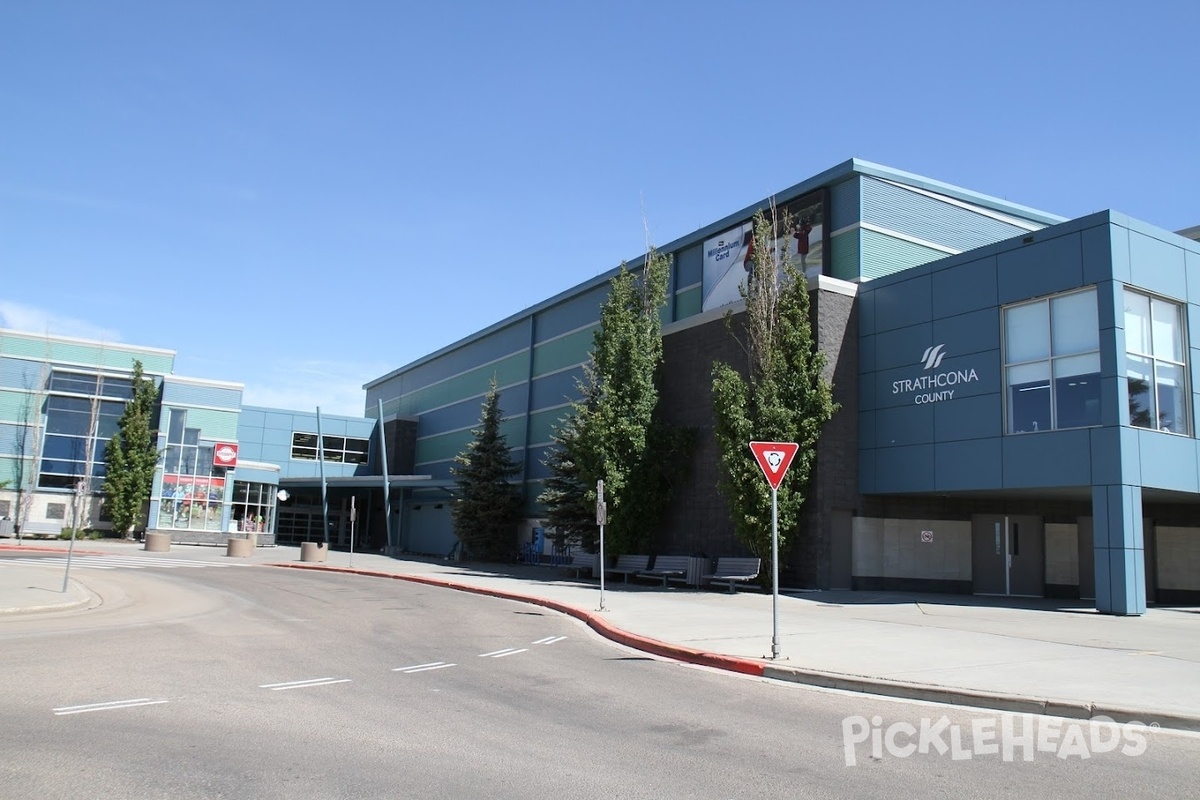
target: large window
<point>1155,364</point>
<point>340,449</point>
<point>193,494</point>
<point>82,413</point>
<point>1052,363</point>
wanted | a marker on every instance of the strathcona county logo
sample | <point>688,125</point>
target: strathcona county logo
<point>929,386</point>
<point>933,356</point>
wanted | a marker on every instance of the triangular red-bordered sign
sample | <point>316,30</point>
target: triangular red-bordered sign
<point>774,458</point>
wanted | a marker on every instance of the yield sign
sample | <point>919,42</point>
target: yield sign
<point>774,458</point>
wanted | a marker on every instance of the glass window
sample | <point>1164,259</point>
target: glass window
<point>1076,324</point>
<point>335,449</point>
<point>178,423</point>
<point>1052,363</point>
<point>1155,366</point>
<point>1026,332</point>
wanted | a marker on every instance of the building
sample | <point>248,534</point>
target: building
<point>1017,407</point>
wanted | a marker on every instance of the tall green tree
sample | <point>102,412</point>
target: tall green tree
<point>569,495</point>
<point>131,456</point>
<point>489,504</point>
<point>613,433</point>
<point>782,396</point>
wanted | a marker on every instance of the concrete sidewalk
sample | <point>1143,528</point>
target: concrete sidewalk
<point>1038,656</point>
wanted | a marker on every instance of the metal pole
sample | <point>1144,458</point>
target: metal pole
<point>387,503</point>
<point>70,550</point>
<point>353,517</point>
<point>774,575</point>
<point>601,519</point>
<point>324,492</point>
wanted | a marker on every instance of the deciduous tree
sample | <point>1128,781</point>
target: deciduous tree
<point>782,396</point>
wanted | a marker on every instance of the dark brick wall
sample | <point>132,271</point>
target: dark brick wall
<point>698,521</point>
<point>835,480</point>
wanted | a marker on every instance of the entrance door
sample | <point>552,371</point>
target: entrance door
<point>1007,555</point>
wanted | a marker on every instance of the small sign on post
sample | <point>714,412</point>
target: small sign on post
<point>774,458</point>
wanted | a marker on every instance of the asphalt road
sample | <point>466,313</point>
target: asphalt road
<point>267,683</point>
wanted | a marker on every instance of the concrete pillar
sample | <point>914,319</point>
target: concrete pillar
<point>1119,545</point>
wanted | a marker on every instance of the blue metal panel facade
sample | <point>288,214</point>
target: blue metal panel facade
<point>947,317</point>
<point>932,218</point>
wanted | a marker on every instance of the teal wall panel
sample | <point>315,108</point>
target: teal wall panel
<point>884,255</point>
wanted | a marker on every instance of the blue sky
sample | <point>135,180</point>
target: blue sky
<point>302,196</point>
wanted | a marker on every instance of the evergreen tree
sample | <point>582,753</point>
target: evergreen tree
<point>570,508</point>
<point>613,433</point>
<point>784,396</point>
<point>131,456</point>
<point>489,505</point>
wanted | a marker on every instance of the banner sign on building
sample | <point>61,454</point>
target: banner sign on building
<point>225,454</point>
<point>727,256</point>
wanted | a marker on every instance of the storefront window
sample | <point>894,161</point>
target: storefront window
<point>1155,367</point>
<point>193,494</point>
<point>1052,363</point>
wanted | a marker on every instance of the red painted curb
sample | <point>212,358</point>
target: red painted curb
<point>744,666</point>
<point>33,548</point>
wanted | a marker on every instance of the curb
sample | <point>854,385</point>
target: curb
<point>4,612</point>
<point>745,666</point>
<point>33,548</point>
<point>1071,709</point>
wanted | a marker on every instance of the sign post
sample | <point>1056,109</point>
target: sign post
<point>601,519</point>
<point>353,517</point>
<point>774,458</point>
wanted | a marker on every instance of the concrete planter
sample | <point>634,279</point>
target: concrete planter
<point>241,548</point>
<point>313,551</point>
<point>158,542</point>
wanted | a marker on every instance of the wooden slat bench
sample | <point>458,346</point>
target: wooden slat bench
<point>732,571</point>
<point>668,568</point>
<point>629,565</point>
<point>582,562</point>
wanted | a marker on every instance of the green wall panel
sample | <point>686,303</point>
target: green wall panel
<point>542,424</point>
<point>10,471</point>
<point>448,445</point>
<point>14,407</point>
<point>80,354</point>
<point>473,383</point>
<point>218,425</point>
<point>531,507</point>
<point>883,254</point>
<point>844,252</point>
<point>565,351</point>
<point>689,302</point>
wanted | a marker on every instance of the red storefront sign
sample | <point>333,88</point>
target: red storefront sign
<point>225,454</point>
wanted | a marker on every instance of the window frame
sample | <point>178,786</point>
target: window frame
<point>1154,361</point>
<point>1048,361</point>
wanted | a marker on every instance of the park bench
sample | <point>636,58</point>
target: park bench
<point>582,562</point>
<point>667,568</point>
<point>629,565</point>
<point>732,571</point>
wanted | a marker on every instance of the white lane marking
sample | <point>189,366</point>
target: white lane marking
<point>110,706</point>
<point>423,667</point>
<point>550,640</point>
<point>508,651</point>
<point>279,687</point>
